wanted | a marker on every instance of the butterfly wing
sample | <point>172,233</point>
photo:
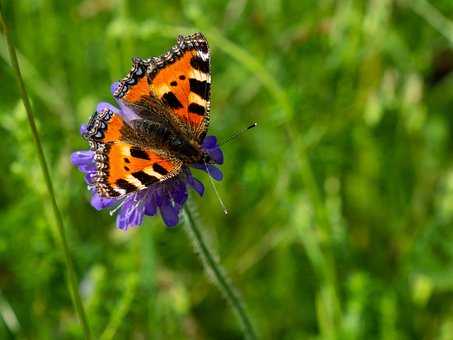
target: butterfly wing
<point>179,79</point>
<point>121,166</point>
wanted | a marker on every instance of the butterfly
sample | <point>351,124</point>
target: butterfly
<point>165,102</point>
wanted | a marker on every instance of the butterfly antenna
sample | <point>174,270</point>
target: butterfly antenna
<point>237,134</point>
<point>225,210</point>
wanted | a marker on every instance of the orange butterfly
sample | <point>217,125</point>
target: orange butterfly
<point>144,149</point>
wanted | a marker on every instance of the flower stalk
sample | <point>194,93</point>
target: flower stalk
<point>48,181</point>
<point>216,272</point>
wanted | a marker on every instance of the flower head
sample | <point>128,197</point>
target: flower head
<point>166,197</point>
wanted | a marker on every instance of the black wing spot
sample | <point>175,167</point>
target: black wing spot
<point>182,77</point>
<point>173,83</point>
<point>202,88</point>
<point>144,178</point>
<point>159,169</point>
<point>199,64</point>
<point>126,160</point>
<point>113,193</point>
<point>197,109</point>
<point>172,101</point>
<point>123,184</point>
<point>126,168</point>
<point>138,153</point>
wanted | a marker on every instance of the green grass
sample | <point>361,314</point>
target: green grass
<point>341,201</point>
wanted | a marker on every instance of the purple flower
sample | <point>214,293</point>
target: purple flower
<point>166,198</point>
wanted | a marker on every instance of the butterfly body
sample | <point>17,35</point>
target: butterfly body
<point>163,120</point>
<point>152,134</point>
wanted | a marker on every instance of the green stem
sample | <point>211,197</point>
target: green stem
<point>433,17</point>
<point>45,170</point>
<point>217,272</point>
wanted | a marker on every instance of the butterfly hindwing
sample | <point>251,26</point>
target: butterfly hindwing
<point>122,167</point>
<point>133,168</point>
<point>180,79</point>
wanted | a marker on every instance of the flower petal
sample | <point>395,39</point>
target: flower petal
<point>106,106</point>
<point>132,211</point>
<point>213,171</point>
<point>168,211</point>
<point>150,206</point>
<point>137,216</point>
<point>89,178</point>
<point>114,86</point>
<point>216,155</point>
<point>122,222</point>
<point>79,158</point>
<point>126,112</point>
<point>100,203</point>
<point>179,193</point>
<point>169,215</point>
<point>209,142</point>
<point>196,184</point>
<point>83,129</point>
<point>88,168</point>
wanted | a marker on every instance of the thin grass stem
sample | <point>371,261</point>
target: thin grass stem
<point>216,272</point>
<point>433,17</point>
<point>47,178</point>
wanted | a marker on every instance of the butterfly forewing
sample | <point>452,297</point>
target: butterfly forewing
<point>180,79</point>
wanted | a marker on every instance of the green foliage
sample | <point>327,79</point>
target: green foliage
<point>341,201</point>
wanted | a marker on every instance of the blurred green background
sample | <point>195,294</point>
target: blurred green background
<point>341,201</point>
